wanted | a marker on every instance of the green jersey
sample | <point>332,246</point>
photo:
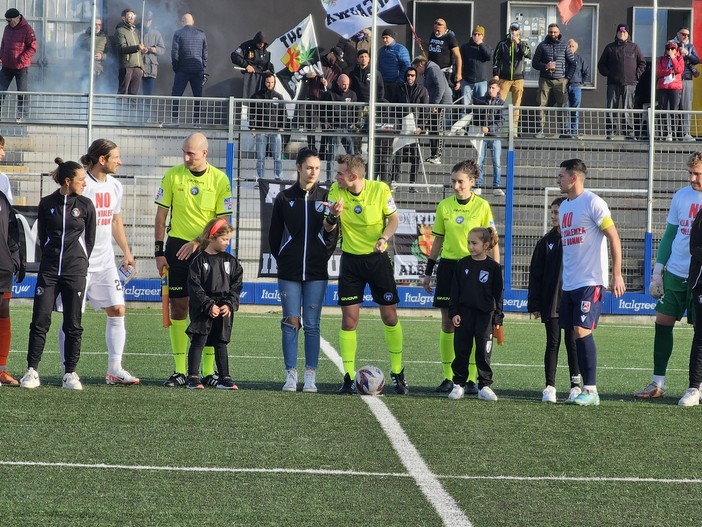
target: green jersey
<point>454,221</point>
<point>194,200</point>
<point>363,217</point>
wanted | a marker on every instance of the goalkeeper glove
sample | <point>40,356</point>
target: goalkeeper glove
<point>655,288</point>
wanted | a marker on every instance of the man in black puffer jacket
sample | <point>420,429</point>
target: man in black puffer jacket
<point>554,59</point>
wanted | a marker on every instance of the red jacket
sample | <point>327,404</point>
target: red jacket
<point>663,69</point>
<point>19,44</point>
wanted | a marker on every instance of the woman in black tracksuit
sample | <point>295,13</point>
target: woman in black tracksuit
<point>302,246</point>
<point>66,235</point>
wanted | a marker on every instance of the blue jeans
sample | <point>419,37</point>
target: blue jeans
<point>574,97</point>
<point>308,297</point>
<point>329,147</point>
<point>469,90</point>
<point>276,142</point>
<point>495,146</point>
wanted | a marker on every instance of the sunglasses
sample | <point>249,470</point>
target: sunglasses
<point>410,75</point>
<point>684,34</point>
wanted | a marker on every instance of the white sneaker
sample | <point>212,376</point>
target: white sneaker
<point>310,379</point>
<point>691,398</point>
<point>457,392</point>
<point>477,191</point>
<point>486,394</point>
<point>71,381</point>
<point>498,192</point>
<point>291,381</point>
<point>121,377</point>
<point>549,395</point>
<point>30,379</point>
<point>574,392</point>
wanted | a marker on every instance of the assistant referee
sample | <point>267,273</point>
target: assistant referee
<point>367,214</point>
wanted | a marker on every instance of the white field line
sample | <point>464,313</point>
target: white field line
<point>352,473</point>
<point>446,507</point>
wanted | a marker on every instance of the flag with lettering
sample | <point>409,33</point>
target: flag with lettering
<point>293,55</point>
<point>567,9</point>
<point>348,17</point>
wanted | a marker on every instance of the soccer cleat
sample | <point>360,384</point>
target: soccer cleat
<point>456,392</point>
<point>30,379</point>
<point>691,398</point>
<point>471,388</point>
<point>71,381</point>
<point>652,391</point>
<point>486,394</point>
<point>175,380</point>
<point>588,398</point>
<point>445,387</point>
<point>210,380</point>
<point>6,378</point>
<point>193,383</point>
<point>121,377</point>
<point>400,383</point>
<point>310,380</point>
<point>347,387</point>
<point>290,380</point>
<point>549,395</point>
<point>226,383</point>
<point>574,392</point>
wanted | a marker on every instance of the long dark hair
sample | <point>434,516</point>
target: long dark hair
<point>98,148</point>
<point>66,170</point>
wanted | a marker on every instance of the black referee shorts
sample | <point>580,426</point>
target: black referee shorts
<point>177,269</point>
<point>444,278</point>
<point>373,269</point>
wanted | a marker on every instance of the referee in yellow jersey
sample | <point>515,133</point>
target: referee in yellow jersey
<point>193,193</point>
<point>366,213</point>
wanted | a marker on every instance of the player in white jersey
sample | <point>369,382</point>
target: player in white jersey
<point>586,227</point>
<point>4,180</point>
<point>104,287</point>
<point>669,279</point>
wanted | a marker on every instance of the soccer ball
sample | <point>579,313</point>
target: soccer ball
<point>369,380</point>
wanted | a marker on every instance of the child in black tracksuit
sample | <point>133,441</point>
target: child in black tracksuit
<point>544,299</point>
<point>214,285</point>
<point>475,308</point>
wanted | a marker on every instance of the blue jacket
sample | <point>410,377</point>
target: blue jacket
<point>189,50</point>
<point>393,61</point>
<point>582,72</point>
<point>691,59</point>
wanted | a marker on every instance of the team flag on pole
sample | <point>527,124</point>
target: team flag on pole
<point>293,55</point>
<point>567,9</point>
<point>348,17</point>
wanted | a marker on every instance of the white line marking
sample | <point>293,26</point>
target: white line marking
<point>447,508</point>
<point>353,473</point>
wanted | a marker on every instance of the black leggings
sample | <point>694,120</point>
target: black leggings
<point>553,343</point>
<point>197,342</point>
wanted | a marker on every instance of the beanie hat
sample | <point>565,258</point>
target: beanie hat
<point>12,13</point>
<point>479,29</point>
<point>623,27</point>
<point>388,33</point>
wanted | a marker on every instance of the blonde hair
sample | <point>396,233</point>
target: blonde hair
<point>486,235</point>
<point>215,228</point>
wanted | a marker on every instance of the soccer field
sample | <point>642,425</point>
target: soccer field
<point>147,455</point>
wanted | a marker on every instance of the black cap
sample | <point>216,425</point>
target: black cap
<point>12,13</point>
<point>337,51</point>
<point>514,25</point>
<point>388,33</point>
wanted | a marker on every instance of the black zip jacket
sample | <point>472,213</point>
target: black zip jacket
<point>545,276</point>
<point>297,237</point>
<point>475,57</point>
<point>66,234</point>
<point>622,62</point>
<point>269,115</point>
<point>694,280</point>
<point>478,285</point>
<point>556,50</point>
<point>9,244</point>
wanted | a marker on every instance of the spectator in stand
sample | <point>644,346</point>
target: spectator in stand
<point>130,49</point>
<point>352,47</point>
<point>267,120</point>
<point>393,61</point>
<point>689,55</point>
<point>580,76</point>
<point>189,61</point>
<point>254,59</point>
<point>444,52</point>
<point>669,69</point>
<point>623,63</point>
<point>339,118</point>
<point>490,121</point>
<point>154,46</point>
<point>474,54</point>
<point>82,53</point>
<point>439,93</point>
<point>554,59</point>
<point>361,78</point>
<point>508,68</point>
<point>19,44</point>
<point>411,92</point>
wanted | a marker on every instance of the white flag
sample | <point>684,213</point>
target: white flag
<point>348,17</point>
